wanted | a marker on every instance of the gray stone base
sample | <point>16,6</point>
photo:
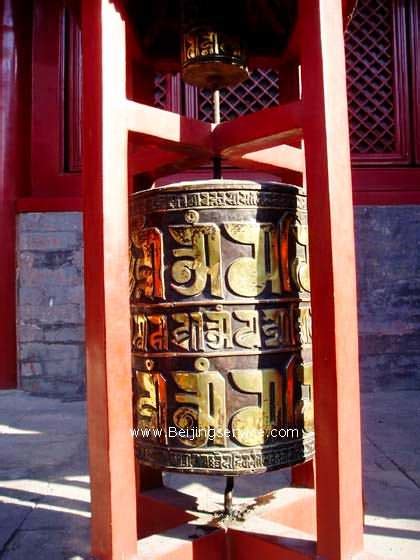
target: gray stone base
<point>51,304</point>
<point>388,266</point>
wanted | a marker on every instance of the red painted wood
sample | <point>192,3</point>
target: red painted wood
<point>283,156</point>
<point>386,198</point>
<point>167,130</point>
<point>111,453</point>
<point>49,204</point>
<point>415,62</point>
<point>159,516</point>
<point>296,510</point>
<point>333,282</point>
<point>185,543</point>
<point>254,546</point>
<point>303,475</point>
<point>277,170</point>
<point>257,131</point>
<point>72,95</point>
<point>14,153</point>
<point>49,176</point>
<point>386,186</point>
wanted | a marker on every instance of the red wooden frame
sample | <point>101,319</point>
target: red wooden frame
<point>117,128</point>
<point>15,26</point>
<point>56,101</point>
<point>390,186</point>
<point>415,86</point>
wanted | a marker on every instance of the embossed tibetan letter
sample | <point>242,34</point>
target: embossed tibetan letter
<point>204,391</point>
<point>146,267</point>
<point>189,335</point>
<point>151,404</point>
<point>199,259</point>
<point>248,276</point>
<point>251,425</point>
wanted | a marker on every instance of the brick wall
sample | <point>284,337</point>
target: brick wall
<point>388,262</point>
<point>51,303</point>
<point>51,315</point>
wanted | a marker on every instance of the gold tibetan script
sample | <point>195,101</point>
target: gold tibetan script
<point>140,331</point>
<point>218,332</point>
<point>200,258</point>
<point>248,276</point>
<point>158,332</point>
<point>152,401</point>
<point>301,266</point>
<point>276,327</point>
<point>248,336</point>
<point>251,425</point>
<point>306,376</point>
<point>189,335</point>
<point>204,391</point>
<point>146,268</point>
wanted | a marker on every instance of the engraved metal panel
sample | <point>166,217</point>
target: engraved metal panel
<point>221,327</point>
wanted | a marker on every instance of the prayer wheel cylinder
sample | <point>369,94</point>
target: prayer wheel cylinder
<point>221,327</point>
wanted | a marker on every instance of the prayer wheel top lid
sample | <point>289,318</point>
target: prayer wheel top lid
<point>267,28</point>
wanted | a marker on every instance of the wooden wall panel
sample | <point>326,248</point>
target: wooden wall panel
<point>56,100</point>
<point>414,26</point>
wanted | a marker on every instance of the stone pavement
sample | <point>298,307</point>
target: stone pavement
<point>44,483</point>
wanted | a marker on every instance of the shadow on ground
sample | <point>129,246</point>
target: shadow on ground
<point>44,484</point>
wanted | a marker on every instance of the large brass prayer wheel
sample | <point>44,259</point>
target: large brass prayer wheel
<point>221,327</point>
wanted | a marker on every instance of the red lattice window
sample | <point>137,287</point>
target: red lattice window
<point>377,86</point>
<point>161,91</point>
<point>260,90</point>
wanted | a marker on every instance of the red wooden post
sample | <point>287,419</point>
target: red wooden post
<point>112,469</point>
<point>333,281</point>
<point>15,18</point>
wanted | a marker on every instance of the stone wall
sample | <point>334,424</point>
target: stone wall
<point>51,303</point>
<point>388,262</point>
<point>51,315</point>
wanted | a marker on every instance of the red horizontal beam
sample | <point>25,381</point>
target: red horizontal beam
<point>281,173</point>
<point>386,179</point>
<point>386,198</point>
<point>158,163</point>
<point>386,186</point>
<point>258,131</point>
<point>283,156</point>
<point>270,547</point>
<point>147,159</point>
<point>167,130</point>
<point>178,141</point>
<point>49,204</point>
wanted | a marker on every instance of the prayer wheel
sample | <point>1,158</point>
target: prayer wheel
<point>221,327</point>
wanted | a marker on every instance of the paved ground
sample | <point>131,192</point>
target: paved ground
<point>44,485</point>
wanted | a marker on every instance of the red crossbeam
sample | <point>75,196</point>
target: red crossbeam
<point>179,142</point>
<point>265,129</point>
<point>168,130</point>
<point>285,161</point>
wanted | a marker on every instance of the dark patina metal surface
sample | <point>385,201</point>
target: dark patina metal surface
<point>221,327</point>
